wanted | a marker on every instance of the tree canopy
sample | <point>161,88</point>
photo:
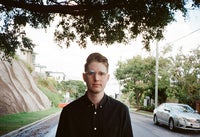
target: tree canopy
<point>185,77</point>
<point>76,88</point>
<point>137,76</point>
<point>179,78</point>
<point>102,21</point>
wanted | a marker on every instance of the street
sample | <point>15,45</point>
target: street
<point>142,127</point>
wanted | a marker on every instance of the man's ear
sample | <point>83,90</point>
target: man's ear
<point>108,77</point>
<point>84,76</point>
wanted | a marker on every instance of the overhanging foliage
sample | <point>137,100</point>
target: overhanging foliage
<point>102,21</point>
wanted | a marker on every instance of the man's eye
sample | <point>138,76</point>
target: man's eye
<point>91,73</point>
<point>102,73</point>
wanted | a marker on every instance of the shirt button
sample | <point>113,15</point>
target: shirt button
<point>101,106</point>
<point>95,128</point>
<point>95,112</point>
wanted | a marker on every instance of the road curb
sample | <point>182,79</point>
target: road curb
<point>148,114</point>
<point>14,132</point>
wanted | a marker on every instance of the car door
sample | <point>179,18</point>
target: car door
<point>160,112</point>
<point>166,114</point>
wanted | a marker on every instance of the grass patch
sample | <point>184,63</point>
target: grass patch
<point>12,122</point>
<point>48,87</point>
<point>54,97</point>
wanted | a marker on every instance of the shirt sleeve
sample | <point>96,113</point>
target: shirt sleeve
<point>60,128</point>
<point>62,125</point>
<point>127,131</point>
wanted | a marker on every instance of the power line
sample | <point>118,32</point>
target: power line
<point>184,36</point>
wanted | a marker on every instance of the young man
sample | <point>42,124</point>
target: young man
<point>95,114</point>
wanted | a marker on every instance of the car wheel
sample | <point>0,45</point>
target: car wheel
<point>155,120</point>
<point>171,124</point>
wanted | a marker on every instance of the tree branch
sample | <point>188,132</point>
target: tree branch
<point>64,9</point>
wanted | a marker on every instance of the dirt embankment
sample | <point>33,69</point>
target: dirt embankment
<point>18,91</point>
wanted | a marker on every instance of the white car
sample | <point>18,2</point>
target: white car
<point>176,115</point>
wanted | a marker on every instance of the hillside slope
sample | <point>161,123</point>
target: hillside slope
<point>18,91</point>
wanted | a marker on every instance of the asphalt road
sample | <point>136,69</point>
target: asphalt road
<point>142,127</point>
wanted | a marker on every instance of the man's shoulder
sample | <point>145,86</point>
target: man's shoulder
<point>116,102</point>
<point>74,104</point>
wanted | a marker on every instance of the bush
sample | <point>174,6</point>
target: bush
<point>147,108</point>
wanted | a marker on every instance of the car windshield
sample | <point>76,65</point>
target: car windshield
<point>183,108</point>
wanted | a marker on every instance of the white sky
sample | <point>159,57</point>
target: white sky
<point>71,60</point>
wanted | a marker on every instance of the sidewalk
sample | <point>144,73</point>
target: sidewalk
<point>141,112</point>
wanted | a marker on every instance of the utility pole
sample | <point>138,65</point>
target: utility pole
<point>156,78</point>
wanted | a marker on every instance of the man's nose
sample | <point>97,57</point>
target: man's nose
<point>96,76</point>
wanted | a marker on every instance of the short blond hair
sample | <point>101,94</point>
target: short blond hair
<point>98,58</point>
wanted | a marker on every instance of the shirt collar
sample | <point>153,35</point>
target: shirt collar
<point>101,104</point>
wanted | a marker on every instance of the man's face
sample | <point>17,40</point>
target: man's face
<point>96,77</point>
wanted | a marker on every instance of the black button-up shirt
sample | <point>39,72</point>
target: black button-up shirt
<point>81,119</point>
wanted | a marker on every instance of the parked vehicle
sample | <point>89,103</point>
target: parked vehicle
<point>176,115</point>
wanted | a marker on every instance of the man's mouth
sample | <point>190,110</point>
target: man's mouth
<point>96,85</point>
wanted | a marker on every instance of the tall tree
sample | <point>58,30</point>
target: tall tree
<point>185,76</point>
<point>138,77</point>
<point>102,21</point>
